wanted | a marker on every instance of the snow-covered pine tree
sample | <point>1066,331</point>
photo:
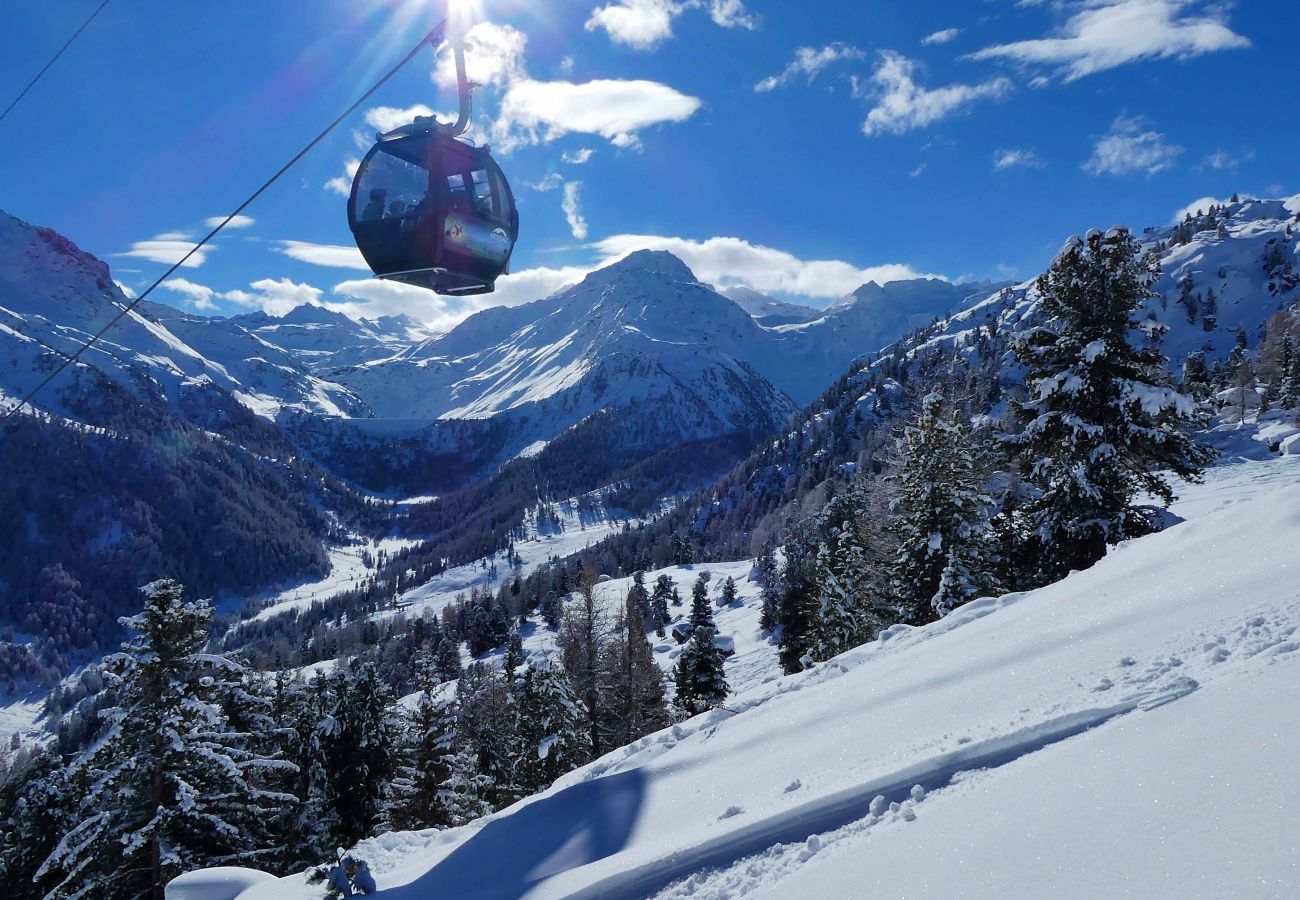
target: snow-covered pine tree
<point>659,601</point>
<point>553,735</point>
<point>843,614</point>
<point>167,774</point>
<point>1102,421</point>
<point>799,603</point>
<point>437,784</point>
<point>728,595</point>
<point>700,599</point>
<point>40,801</point>
<point>940,515</point>
<point>489,727</point>
<point>638,594</point>
<point>768,576</point>
<point>699,676</point>
<point>358,737</point>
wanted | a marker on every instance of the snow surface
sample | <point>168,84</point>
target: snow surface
<point>1127,732</point>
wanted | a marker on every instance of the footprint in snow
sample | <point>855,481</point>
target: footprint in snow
<point>732,812</point>
<point>793,786</point>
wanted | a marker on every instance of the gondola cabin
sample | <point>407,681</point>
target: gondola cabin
<point>430,210</point>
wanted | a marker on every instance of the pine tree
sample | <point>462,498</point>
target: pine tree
<point>799,602</point>
<point>768,576</point>
<point>638,595</point>
<point>358,738</point>
<point>701,612</point>
<point>581,635</point>
<point>940,516</point>
<point>489,728</point>
<point>437,784</point>
<point>659,600</point>
<point>168,783</point>
<point>1102,421</point>
<point>699,677</point>
<point>728,596</point>
<point>634,690</point>
<point>553,735</point>
<point>1288,395</point>
<point>843,614</point>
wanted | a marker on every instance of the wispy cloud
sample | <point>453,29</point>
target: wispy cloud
<point>169,249</point>
<point>808,63</point>
<point>1106,34</point>
<point>903,105</point>
<point>240,221</point>
<point>941,37</point>
<point>274,296</point>
<point>572,206</point>
<point>1225,161</point>
<point>1016,158</point>
<point>342,184</point>
<point>334,256</point>
<point>1132,147</point>
<point>578,157</point>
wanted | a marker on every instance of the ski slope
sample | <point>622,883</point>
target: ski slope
<point>1127,732</point>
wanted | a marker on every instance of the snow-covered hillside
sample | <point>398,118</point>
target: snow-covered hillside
<point>1127,732</point>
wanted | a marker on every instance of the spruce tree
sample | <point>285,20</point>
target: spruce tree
<point>728,595</point>
<point>1101,422</point>
<point>169,785</point>
<point>799,603</point>
<point>358,737</point>
<point>553,735</point>
<point>940,516</point>
<point>843,614</point>
<point>659,600</point>
<point>437,784</point>
<point>768,576</point>
<point>489,728</point>
<point>581,635</point>
<point>699,677</point>
<point>638,595</point>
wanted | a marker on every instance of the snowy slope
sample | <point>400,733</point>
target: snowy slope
<point>1127,732</point>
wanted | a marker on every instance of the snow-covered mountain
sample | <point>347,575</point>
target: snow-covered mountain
<point>54,296</point>
<point>769,310</point>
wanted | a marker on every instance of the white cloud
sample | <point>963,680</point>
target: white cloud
<point>169,249</point>
<point>235,222</point>
<point>941,37</point>
<point>371,297</point>
<point>200,296</point>
<point>331,255</point>
<point>1016,158</point>
<point>733,14</point>
<point>276,296</point>
<point>386,118</point>
<point>494,56</point>
<point>1105,34</point>
<point>902,104</point>
<point>728,262</point>
<point>809,62</point>
<point>342,184</point>
<point>916,173</point>
<point>1131,147</point>
<point>578,157</point>
<point>549,182</point>
<point>644,24</point>
<point>539,111</point>
<point>1223,161</point>
<point>573,210</point>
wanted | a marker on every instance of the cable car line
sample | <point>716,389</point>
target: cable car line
<point>432,39</point>
<point>31,84</point>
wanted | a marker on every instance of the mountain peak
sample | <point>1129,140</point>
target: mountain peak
<point>312,314</point>
<point>653,262</point>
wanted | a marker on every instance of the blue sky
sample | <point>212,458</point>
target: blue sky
<point>799,148</point>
